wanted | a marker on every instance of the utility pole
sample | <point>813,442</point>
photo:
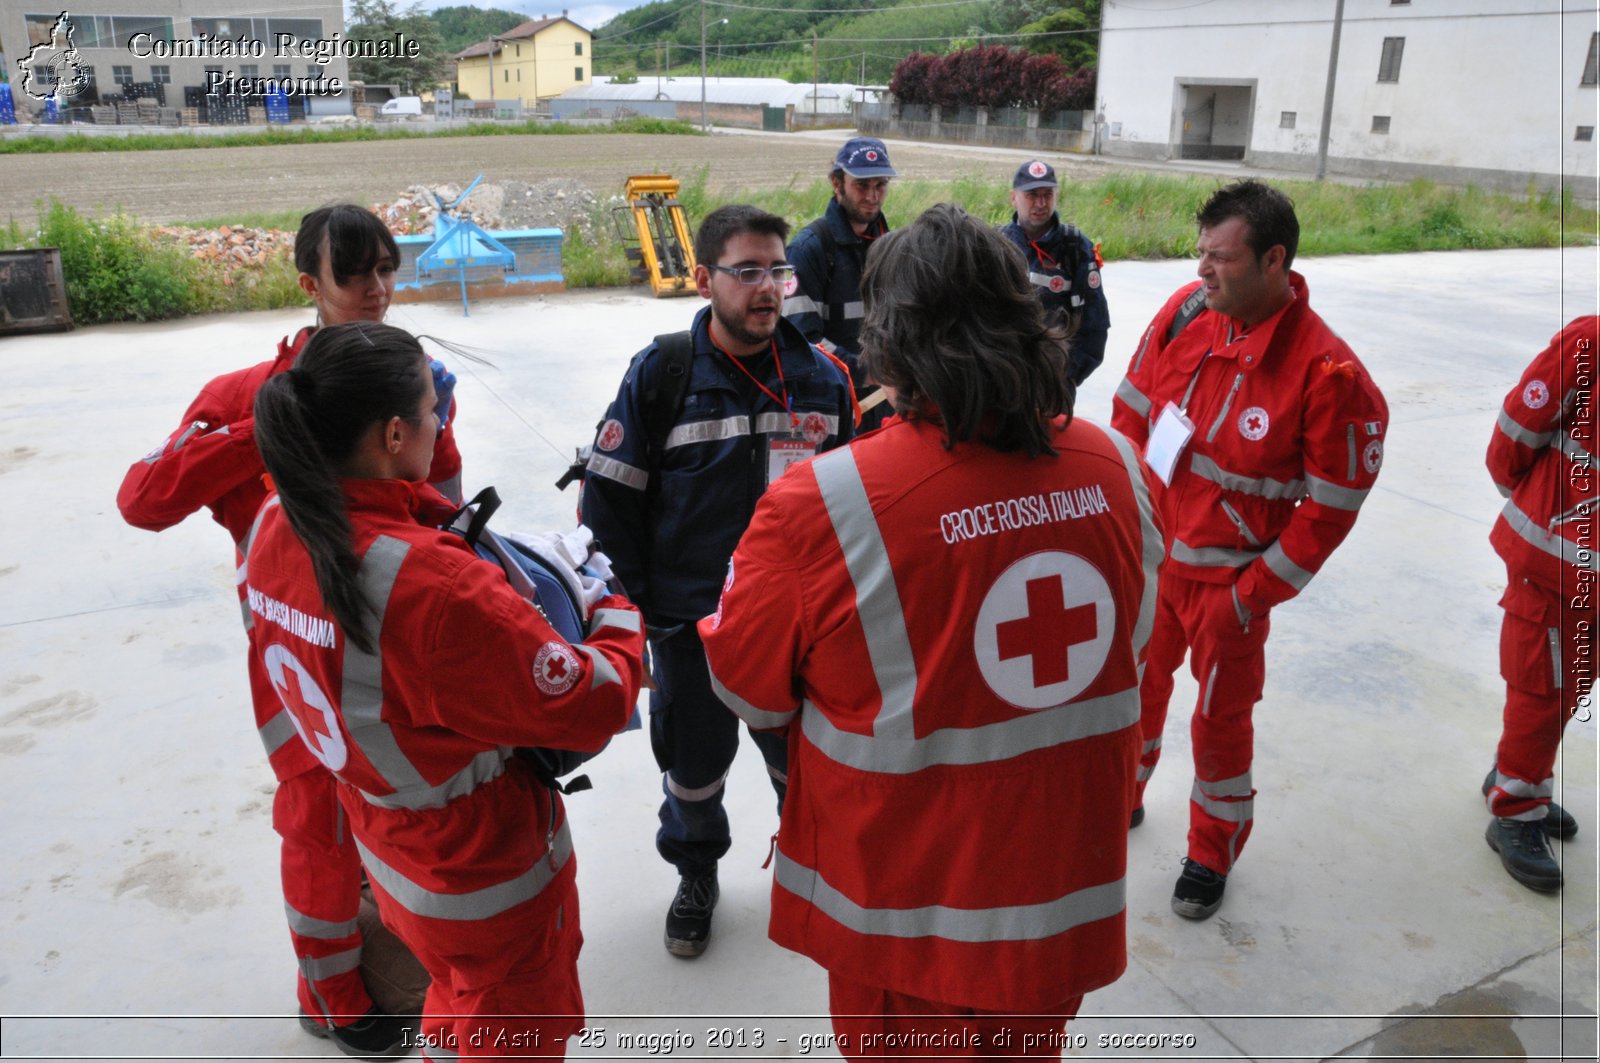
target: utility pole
<point>1327,98</point>
<point>491,69</point>
<point>813,76</point>
<point>704,125</point>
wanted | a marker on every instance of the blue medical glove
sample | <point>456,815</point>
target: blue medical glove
<point>444,386</point>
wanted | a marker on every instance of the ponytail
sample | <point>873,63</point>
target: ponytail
<point>310,420</point>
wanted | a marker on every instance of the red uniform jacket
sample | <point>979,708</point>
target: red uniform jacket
<point>1542,458</point>
<point>451,825</point>
<point>956,636</point>
<point>212,462</point>
<point>1288,440</point>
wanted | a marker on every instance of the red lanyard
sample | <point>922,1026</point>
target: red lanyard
<point>1045,258</point>
<point>794,422</point>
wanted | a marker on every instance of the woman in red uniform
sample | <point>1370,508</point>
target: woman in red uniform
<point>347,260</point>
<point>410,668</point>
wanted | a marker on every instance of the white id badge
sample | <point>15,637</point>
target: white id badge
<point>782,453</point>
<point>1167,440</point>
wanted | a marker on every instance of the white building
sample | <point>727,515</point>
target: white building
<point>1493,92</point>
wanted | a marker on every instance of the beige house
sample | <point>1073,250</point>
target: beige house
<point>538,60</point>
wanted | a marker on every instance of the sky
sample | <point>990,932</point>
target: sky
<point>590,16</point>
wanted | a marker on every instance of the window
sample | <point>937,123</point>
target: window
<point>519,73</point>
<point>161,75</point>
<point>577,73</point>
<point>518,47</point>
<point>1380,123</point>
<point>577,47</point>
<point>314,70</point>
<point>129,26</point>
<point>1389,65</point>
<point>505,75</point>
<point>1286,120</point>
<point>1398,3</point>
<point>302,29</point>
<point>249,70</point>
<point>1591,65</point>
<point>280,70</point>
<point>122,75</point>
<point>1585,133</point>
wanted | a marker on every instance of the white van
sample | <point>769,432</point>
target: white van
<point>402,106</point>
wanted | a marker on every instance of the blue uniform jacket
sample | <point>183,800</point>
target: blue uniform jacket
<point>1067,278</point>
<point>825,307</point>
<point>670,530</point>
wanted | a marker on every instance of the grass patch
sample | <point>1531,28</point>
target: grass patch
<point>80,142</point>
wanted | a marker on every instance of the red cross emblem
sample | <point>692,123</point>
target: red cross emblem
<point>1037,169</point>
<point>872,156</point>
<point>610,437</point>
<point>1535,395</point>
<point>1058,284</point>
<point>1044,630</point>
<point>555,668</point>
<point>307,706</point>
<point>1253,423</point>
<point>814,427</point>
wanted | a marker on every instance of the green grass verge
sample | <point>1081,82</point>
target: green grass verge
<point>17,144</point>
<point>116,272</point>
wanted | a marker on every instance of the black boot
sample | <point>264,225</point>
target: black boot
<point>689,918</point>
<point>377,1035</point>
<point>1525,852</point>
<point>1558,822</point>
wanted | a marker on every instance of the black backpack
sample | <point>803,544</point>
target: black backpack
<point>664,394</point>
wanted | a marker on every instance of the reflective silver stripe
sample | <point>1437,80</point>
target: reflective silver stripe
<point>1260,486</point>
<point>361,701</point>
<point>1573,449</point>
<point>248,618</point>
<point>1526,436</point>
<point>1227,404</point>
<point>987,744</point>
<point>1505,492</point>
<point>276,731</point>
<point>1154,548</point>
<point>450,487</point>
<point>604,671</point>
<point>779,422</point>
<point>760,719</point>
<point>877,597</point>
<point>478,904</point>
<point>1211,556</point>
<point>706,431</point>
<point>1515,787</point>
<point>1238,786</point>
<point>1285,569</point>
<point>317,968</point>
<point>311,927</point>
<point>1144,773</point>
<point>781,776</point>
<point>1232,811</point>
<point>1043,280</point>
<point>855,311</point>
<point>1205,699</point>
<point>699,793</point>
<point>1333,495</point>
<point>178,443</point>
<point>801,304</point>
<point>1151,746</point>
<point>624,474</point>
<point>1555,657</point>
<point>1135,398</point>
<point>1350,446</point>
<point>1023,922</point>
<point>621,619</point>
<point>1554,545</point>
<point>433,1053</point>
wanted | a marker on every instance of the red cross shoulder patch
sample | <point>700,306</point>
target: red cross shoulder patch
<point>1044,631</point>
<point>555,668</point>
<point>610,437</point>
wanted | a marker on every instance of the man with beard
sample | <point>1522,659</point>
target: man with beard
<point>829,255</point>
<point>1063,266</point>
<point>669,500</point>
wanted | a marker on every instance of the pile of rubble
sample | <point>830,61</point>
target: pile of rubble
<point>232,247</point>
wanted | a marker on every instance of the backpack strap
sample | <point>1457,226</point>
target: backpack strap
<point>665,392</point>
<point>475,514</point>
<point>1188,310</point>
<point>830,248</point>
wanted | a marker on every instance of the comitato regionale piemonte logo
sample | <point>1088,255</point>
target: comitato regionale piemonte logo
<point>54,69</point>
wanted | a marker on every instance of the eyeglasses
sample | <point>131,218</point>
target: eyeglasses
<point>751,275</point>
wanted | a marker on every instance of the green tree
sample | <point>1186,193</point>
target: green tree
<point>463,25</point>
<point>1075,29</point>
<point>380,20</point>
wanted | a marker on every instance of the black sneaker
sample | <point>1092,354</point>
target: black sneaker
<point>376,1035</point>
<point>1558,822</point>
<point>689,917</point>
<point>1136,818</point>
<point>1198,892</point>
<point>1525,852</point>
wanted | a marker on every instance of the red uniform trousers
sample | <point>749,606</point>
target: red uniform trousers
<point>876,1023</point>
<point>1229,663</point>
<point>321,873</point>
<point>502,987</point>
<point>1547,660</point>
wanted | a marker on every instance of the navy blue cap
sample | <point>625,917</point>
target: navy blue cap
<point>864,157</point>
<point>1035,173</point>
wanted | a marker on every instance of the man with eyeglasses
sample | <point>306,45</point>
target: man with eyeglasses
<point>830,254</point>
<point>759,398</point>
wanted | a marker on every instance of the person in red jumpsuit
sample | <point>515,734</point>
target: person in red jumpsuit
<point>947,620</point>
<point>411,669</point>
<point>1267,434</point>
<point>1542,458</point>
<point>347,260</point>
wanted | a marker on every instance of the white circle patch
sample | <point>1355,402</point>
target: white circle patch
<point>555,668</point>
<point>1535,395</point>
<point>1044,630</point>
<point>1253,423</point>
<point>791,286</point>
<point>1372,457</point>
<point>610,437</point>
<point>302,697</point>
<point>1094,278</point>
<point>1058,283</point>
<point>1037,168</point>
<point>814,428</point>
